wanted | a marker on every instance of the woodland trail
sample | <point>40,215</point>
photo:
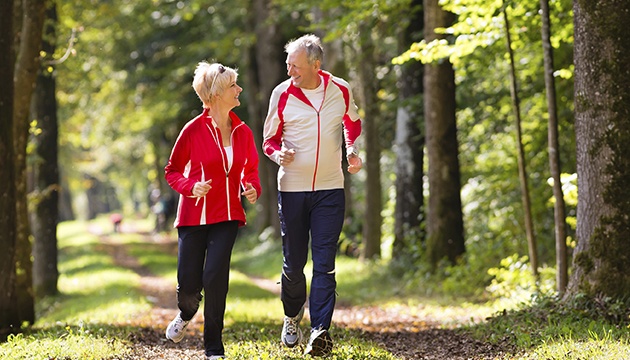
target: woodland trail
<point>398,329</point>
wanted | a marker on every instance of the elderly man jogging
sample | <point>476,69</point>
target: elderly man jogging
<point>308,113</point>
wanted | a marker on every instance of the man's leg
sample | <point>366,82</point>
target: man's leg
<point>293,210</point>
<point>327,217</point>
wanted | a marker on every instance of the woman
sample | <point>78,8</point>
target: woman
<point>214,161</point>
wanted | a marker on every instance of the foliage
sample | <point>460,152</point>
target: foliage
<point>514,280</point>
<point>127,92</point>
<point>579,328</point>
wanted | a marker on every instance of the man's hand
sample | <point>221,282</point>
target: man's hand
<point>355,163</point>
<point>286,156</point>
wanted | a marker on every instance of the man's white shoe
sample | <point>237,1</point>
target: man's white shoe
<point>215,357</point>
<point>319,344</point>
<point>291,333</point>
<point>175,330</point>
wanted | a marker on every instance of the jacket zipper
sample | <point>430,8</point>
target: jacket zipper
<point>225,164</point>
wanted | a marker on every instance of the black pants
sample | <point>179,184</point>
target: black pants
<point>203,262</point>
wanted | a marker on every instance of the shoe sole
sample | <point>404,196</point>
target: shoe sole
<point>175,340</point>
<point>320,346</point>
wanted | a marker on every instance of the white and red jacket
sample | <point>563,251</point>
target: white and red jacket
<point>315,133</point>
<point>199,155</point>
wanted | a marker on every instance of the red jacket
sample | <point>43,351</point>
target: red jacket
<point>198,155</point>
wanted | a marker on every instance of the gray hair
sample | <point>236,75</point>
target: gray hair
<point>309,43</point>
<point>212,79</point>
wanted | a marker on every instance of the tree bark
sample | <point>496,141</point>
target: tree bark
<point>373,193</point>
<point>560,222</point>
<point>445,228</point>
<point>46,171</point>
<point>409,208</point>
<point>8,228</point>
<point>26,69</point>
<point>602,110</point>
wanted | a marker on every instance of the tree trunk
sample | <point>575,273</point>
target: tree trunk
<point>266,68</point>
<point>373,201</point>
<point>602,110</point>
<point>522,171</point>
<point>66,212</point>
<point>445,228</point>
<point>554,154</point>
<point>409,141</point>
<point>46,172</point>
<point>26,68</point>
<point>8,228</point>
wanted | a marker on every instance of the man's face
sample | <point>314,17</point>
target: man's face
<point>303,74</point>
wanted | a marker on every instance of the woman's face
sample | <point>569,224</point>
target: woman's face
<point>230,95</point>
<point>303,74</point>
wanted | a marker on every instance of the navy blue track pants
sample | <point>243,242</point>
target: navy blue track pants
<point>203,262</point>
<point>319,214</point>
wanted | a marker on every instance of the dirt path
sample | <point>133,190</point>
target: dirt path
<point>399,329</point>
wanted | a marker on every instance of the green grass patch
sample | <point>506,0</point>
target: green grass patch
<point>89,316</point>
<point>65,342</point>
<point>549,329</point>
<point>160,258</point>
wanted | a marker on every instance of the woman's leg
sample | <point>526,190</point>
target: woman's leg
<point>216,273</point>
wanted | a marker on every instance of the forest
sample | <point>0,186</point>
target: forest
<point>495,137</point>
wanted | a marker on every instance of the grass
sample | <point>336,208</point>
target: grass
<point>578,329</point>
<point>88,318</point>
<point>92,316</point>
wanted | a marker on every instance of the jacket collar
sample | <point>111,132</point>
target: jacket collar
<point>298,93</point>
<point>236,121</point>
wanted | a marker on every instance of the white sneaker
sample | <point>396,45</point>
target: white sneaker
<point>175,330</point>
<point>215,357</point>
<point>291,333</point>
<point>319,344</point>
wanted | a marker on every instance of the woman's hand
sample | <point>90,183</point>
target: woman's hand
<point>201,188</point>
<point>250,193</point>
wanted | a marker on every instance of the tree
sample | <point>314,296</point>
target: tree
<point>522,168</point>
<point>560,222</point>
<point>602,110</point>
<point>8,228</point>
<point>374,204</point>
<point>265,71</point>
<point>445,233</point>
<point>26,69</point>
<point>409,142</point>
<point>45,170</point>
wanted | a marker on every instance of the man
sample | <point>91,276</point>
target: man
<point>303,134</point>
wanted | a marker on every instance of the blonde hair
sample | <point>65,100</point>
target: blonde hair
<point>211,80</point>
